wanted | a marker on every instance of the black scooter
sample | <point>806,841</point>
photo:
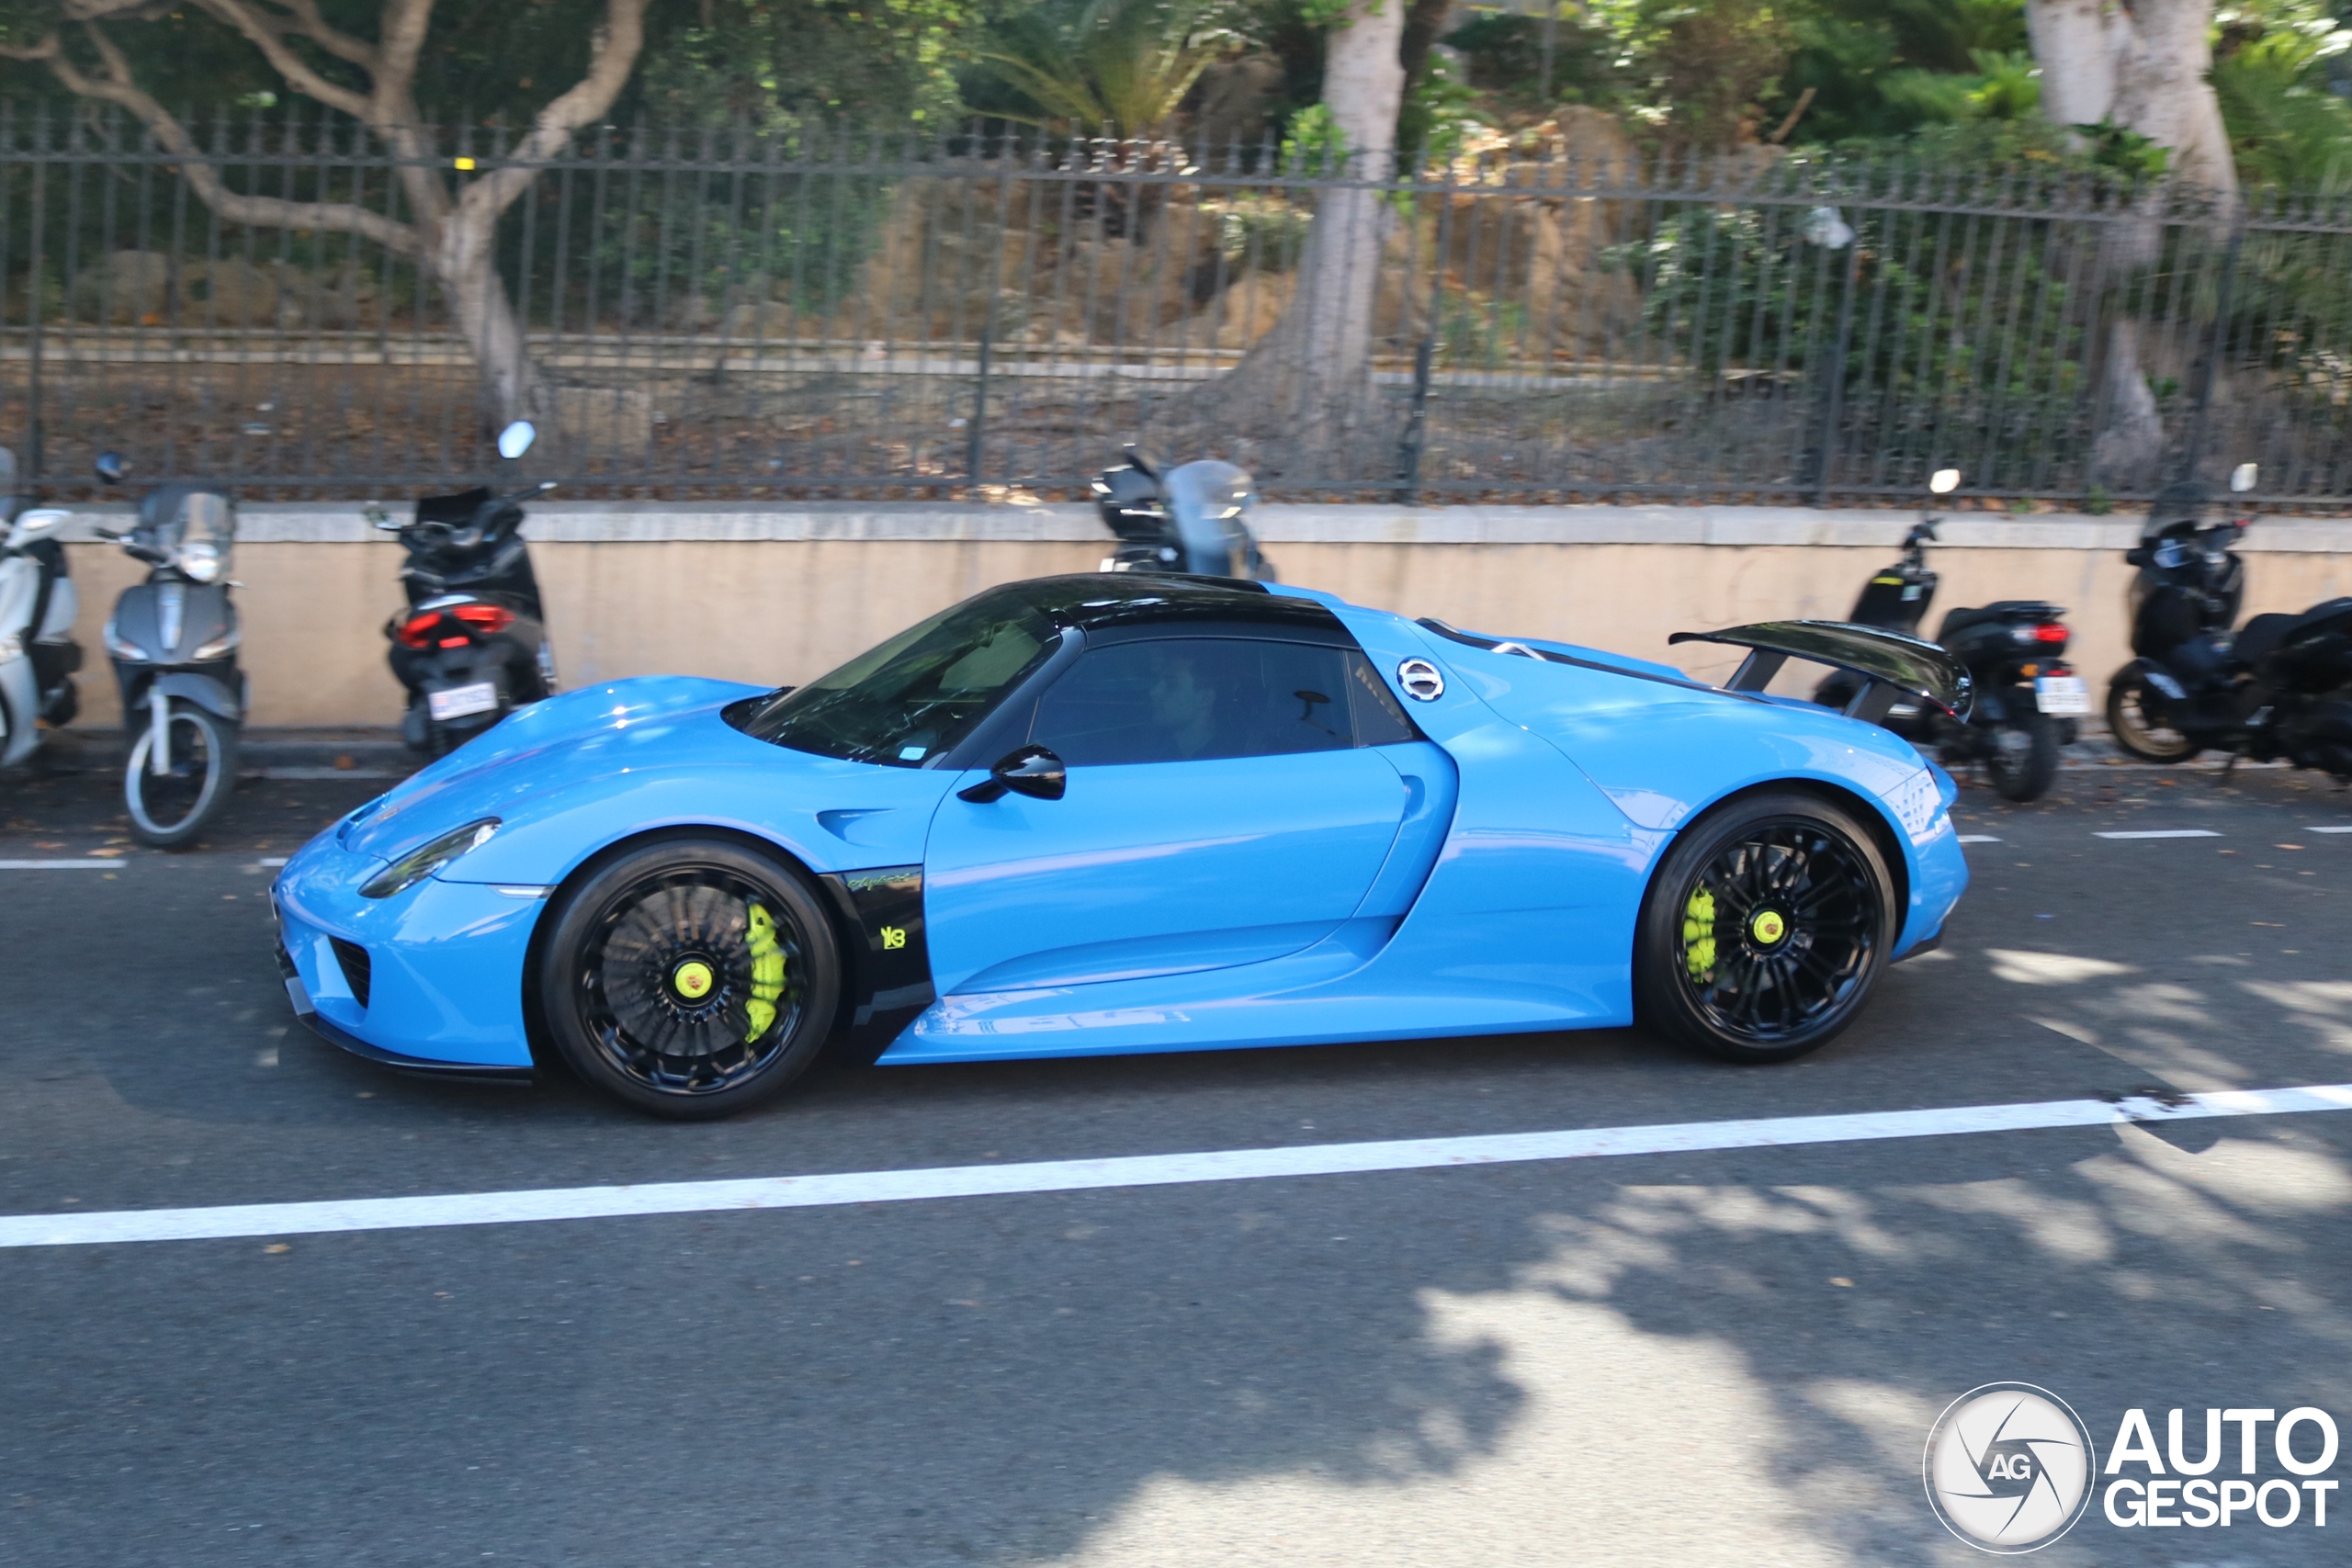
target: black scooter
<point>472,645</point>
<point>2026,694</point>
<point>174,642</point>
<point>1187,519</point>
<point>2281,687</point>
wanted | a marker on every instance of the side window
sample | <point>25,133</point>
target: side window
<point>1379,717</point>
<point>1190,699</point>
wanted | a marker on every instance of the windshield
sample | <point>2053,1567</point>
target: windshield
<point>909,701</point>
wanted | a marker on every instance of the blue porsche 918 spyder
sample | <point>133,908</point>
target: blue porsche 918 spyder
<point>1121,813</point>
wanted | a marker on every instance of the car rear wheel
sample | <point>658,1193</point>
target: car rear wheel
<point>691,978</point>
<point>1765,931</point>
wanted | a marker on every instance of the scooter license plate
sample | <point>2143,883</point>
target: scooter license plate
<point>2062,694</point>
<point>480,697</point>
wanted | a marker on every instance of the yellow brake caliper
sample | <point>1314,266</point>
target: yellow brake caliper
<point>767,972</point>
<point>1699,934</point>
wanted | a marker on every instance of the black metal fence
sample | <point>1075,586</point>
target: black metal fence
<point>807,315</point>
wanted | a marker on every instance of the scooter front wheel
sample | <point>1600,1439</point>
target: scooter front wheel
<point>2135,717</point>
<point>172,805</point>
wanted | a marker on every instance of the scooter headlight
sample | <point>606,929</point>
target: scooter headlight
<point>424,861</point>
<point>220,647</point>
<point>204,561</point>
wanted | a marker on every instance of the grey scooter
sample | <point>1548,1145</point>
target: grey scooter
<point>174,641</point>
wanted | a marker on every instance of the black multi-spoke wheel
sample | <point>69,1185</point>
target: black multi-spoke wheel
<point>1765,929</point>
<point>690,978</point>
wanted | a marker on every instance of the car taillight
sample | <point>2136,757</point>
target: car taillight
<point>487,619</point>
<point>417,631</point>
<point>2050,631</point>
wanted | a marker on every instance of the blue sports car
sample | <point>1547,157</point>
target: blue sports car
<point>1121,813</point>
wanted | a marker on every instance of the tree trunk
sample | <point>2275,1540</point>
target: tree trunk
<point>1304,393</point>
<point>2143,68</point>
<point>464,259</point>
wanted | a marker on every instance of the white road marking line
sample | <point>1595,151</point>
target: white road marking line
<point>2162,833</point>
<point>56,864</point>
<point>2328,829</point>
<point>1978,838</point>
<point>1138,1170</point>
<point>269,863</point>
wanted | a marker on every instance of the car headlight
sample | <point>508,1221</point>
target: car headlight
<point>203,560</point>
<point>423,862</point>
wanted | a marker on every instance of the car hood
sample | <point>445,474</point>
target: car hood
<point>553,747</point>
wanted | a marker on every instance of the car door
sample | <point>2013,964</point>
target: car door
<point>1226,802</point>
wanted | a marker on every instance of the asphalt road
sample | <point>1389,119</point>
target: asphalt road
<point>1727,1358</point>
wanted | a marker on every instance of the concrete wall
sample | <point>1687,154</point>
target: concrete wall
<point>774,595</point>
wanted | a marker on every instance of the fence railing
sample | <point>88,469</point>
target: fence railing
<point>809,313</point>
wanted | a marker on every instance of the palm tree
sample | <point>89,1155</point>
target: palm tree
<point>1121,64</point>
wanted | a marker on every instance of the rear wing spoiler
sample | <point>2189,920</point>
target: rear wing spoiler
<point>1890,664</point>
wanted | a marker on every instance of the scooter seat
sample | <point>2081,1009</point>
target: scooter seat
<point>2264,635</point>
<point>1960,620</point>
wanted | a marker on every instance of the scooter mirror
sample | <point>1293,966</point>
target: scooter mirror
<point>1944,481</point>
<point>2241,477</point>
<point>516,438</point>
<point>111,467</point>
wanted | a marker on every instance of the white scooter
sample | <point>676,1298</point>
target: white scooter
<point>38,653</point>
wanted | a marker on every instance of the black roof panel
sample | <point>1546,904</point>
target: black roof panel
<point>1100,600</point>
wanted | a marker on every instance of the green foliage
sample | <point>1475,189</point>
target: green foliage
<point>1972,343</point>
<point>1125,64</point>
<point>785,64</point>
<point>1440,112</point>
<point>2271,75</point>
<point>1503,52</point>
<point>2126,151</point>
<point>1313,142</point>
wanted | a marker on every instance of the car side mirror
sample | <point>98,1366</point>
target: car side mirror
<point>1031,771</point>
<point>111,467</point>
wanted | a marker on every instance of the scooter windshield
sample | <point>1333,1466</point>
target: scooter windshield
<point>1206,500</point>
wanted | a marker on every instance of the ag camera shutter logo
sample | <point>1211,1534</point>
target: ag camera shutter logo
<point>2009,1468</point>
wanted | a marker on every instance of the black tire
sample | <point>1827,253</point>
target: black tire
<point>171,812</point>
<point>1765,931</point>
<point>2139,732</point>
<point>651,982</point>
<point>2024,768</point>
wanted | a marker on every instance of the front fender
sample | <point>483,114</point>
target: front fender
<point>213,696</point>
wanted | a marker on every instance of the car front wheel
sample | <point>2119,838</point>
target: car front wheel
<point>1765,931</point>
<point>691,978</point>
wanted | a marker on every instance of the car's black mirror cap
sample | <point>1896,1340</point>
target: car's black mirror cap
<point>1031,771</point>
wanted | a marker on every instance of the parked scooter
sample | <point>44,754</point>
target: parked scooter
<point>174,642</point>
<point>2025,693</point>
<point>38,653</point>
<point>472,646</point>
<point>1185,519</point>
<point>2281,687</point>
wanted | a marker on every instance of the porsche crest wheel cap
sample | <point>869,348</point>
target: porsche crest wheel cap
<point>692,979</point>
